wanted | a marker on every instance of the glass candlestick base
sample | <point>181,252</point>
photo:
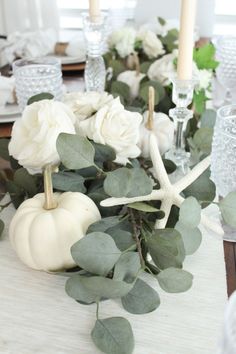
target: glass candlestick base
<point>95,36</point>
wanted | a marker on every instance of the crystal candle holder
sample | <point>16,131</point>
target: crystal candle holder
<point>95,34</point>
<point>182,96</point>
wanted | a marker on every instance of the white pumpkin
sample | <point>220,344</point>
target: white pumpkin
<point>132,78</point>
<point>163,129</point>
<point>42,238</point>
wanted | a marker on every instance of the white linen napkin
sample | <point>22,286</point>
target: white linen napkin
<point>7,87</point>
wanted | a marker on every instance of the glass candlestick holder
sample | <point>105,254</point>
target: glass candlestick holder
<point>95,31</point>
<point>182,96</point>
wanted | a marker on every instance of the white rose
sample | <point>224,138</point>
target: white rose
<point>123,41</point>
<point>163,129</point>
<point>34,136</point>
<point>152,45</point>
<point>162,69</point>
<point>113,125</point>
<point>204,78</point>
<point>132,79</point>
<point>85,104</point>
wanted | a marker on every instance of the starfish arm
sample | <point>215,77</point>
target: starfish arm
<point>166,207</point>
<point>155,195</point>
<point>158,165</point>
<point>192,175</point>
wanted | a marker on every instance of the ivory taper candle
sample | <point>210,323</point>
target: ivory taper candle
<point>94,9</point>
<point>186,39</point>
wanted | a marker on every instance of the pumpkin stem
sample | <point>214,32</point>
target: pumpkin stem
<point>151,104</point>
<point>48,189</point>
<point>137,64</point>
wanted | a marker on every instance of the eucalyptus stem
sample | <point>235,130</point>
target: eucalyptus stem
<point>49,202</point>
<point>97,310</point>
<point>151,105</point>
<point>136,236</point>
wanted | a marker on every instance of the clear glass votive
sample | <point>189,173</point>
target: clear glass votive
<point>34,76</point>
<point>223,157</point>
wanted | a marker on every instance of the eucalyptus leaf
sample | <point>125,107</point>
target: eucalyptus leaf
<point>190,213</point>
<point>121,89</point>
<point>199,100</point>
<point>16,192</point>
<point>143,207</point>
<point>117,67</point>
<point>192,238</point>
<point>4,153</point>
<point>75,151</point>
<point>26,181</point>
<point>125,182</point>
<point>76,288</point>
<point>103,153</point>
<point>228,209</point>
<point>141,299</point>
<point>97,253</point>
<point>170,166</point>
<point>113,335</point>
<point>104,224</point>
<point>40,97</point>
<point>166,248</point>
<point>174,280</point>
<point>2,225</point>
<point>144,67</point>
<point>128,266</point>
<point>68,181</point>
<point>123,239</point>
<point>144,91</point>
<point>203,139</point>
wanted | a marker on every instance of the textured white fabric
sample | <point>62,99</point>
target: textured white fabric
<point>38,317</point>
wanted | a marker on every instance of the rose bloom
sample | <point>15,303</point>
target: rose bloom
<point>123,41</point>
<point>132,79</point>
<point>85,104</point>
<point>34,136</point>
<point>152,45</point>
<point>162,69</point>
<point>113,125</point>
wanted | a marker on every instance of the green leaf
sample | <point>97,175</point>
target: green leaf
<point>117,66</point>
<point>205,57</point>
<point>174,280</point>
<point>199,100</point>
<point>125,182</point>
<point>141,299</point>
<point>128,266</point>
<point>76,288</point>
<point>26,181</point>
<point>68,181</point>
<point>1,227</point>
<point>143,207</point>
<point>40,97</point>
<point>4,153</point>
<point>103,153</point>
<point>202,189</point>
<point>170,40</point>
<point>16,192</point>
<point>170,166</point>
<point>123,239</point>
<point>190,213</point>
<point>144,67</point>
<point>75,151</point>
<point>161,20</point>
<point>121,89</point>
<point>203,139</point>
<point>192,238</point>
<point>96,252</point>
<point>113,336</point>
<point>208,119</point>
<point>104,224</point>
<point>144,91</point>
<point>228,209</point>
<point>166,248</point>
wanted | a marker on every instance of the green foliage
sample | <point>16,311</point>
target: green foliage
<point>159,91</point>
<point>127,266</point>
<point>203,139</point>
<point>40,97</point>
<point>125,182</point>
<point>144,67</point>
<point>166,248</point>
<point>68,181</point>
<point>143,207</point>
<point>123,239</point>
<point>190,212</point>
<point>75,151</point>
<point>227,207</point>
<point>170,40</point>
<point>199,101</point>
<point>26,182</point>
<point>141,299</point>
<point>208,119</point>
<point>2,225</point>
<point>205,57</point>
<point>161,20</point>
<point>113,336</point>
<point>192,237</point>
<point>174,280</point>
<point>103,153</point>
<point>97,253</point>
<point>4,153</point>
<point>121,89</point>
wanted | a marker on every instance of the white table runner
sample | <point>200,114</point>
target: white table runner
<point>37,317</point>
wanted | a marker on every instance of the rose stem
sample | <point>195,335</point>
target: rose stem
<point>151,96</point>
<point>49,202</point>
<point>137,64</point>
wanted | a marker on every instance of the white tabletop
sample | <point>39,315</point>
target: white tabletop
<point>36,315</point>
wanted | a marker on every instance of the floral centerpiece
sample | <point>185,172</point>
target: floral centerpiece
<point>114,217</point>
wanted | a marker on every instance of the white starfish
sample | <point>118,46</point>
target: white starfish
<point>169,194</point>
